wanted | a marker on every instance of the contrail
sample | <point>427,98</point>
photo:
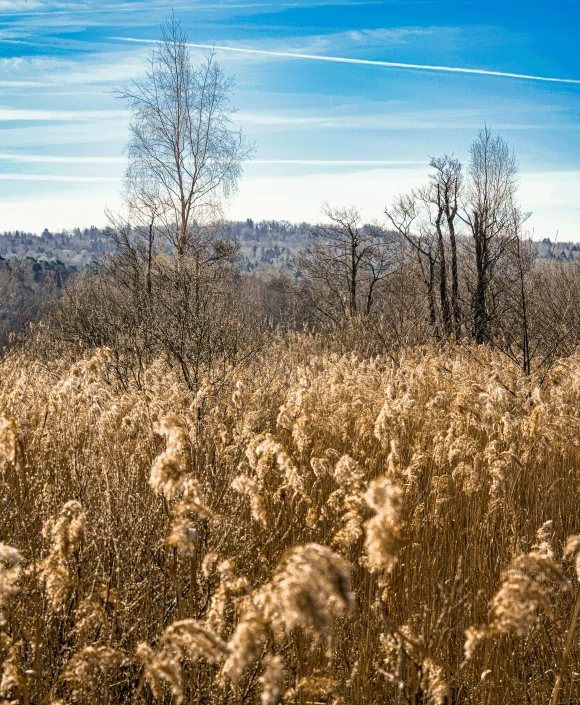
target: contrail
<point>367,62</point>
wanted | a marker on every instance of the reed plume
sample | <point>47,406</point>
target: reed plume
<point>65,534</point>
<point>330,527</point>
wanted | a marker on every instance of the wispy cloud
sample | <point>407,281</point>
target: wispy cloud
<point>61,178</point>
<point>21,84</point>
<point>49,159</point>
<point>74,12</point>
<point>337,42</point>
<point>17,5</point>
<point>14,114</point>
<point>337,162</point>
<point>41,71</point>
<point>367,62</point>
<point>384,36</point>
<point>456,119</point>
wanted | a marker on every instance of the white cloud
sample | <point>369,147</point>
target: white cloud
<point>387,120</point>
<point>18,5</point>
<point>15,114</point>
<point>336,162</point>
<point>299,198</point>
<point>113,67</point>
<point>21,84</point>
<point>57,204</point>
<point>49,159</point>
<point>30,136</point>
<point>381,36</point>
<point>61,178</point>
<point>11,63</point>
<point>554,197</point>
<point>55,213</point>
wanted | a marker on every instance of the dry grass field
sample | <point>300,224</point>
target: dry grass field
<point>328,529</point>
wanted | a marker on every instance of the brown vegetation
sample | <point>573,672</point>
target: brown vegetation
<point>331,529</point>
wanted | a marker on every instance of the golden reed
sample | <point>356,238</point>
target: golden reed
<point>331,530</point>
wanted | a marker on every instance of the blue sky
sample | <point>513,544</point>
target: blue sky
<point>345,133</point>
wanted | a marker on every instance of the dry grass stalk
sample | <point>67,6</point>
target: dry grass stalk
<point>383,531</point>
<point>65,533</point>
<point>246,561</point>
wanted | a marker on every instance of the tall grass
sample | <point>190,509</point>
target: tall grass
<point>331,530</point>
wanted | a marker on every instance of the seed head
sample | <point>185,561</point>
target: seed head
<point>572,550</point>
<point>247,485</point>
<point>66,533</point>
<point>527,588</point>
<point>309,588</point>
<point>8,439</point>
<point>271,680</point>
<point>168,470</point>
<point>10,569</point>
<point>246,643</point>
<point>186,640</point>
<point>383,531</point>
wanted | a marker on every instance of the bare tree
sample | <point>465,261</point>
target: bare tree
<point>419,225</point>
<point>171,287</point>
<point>184,153</point>
<point>345,262</point>
<point>489,214</point>
<point>431,212</point>
<point>446,185</point>
<point>467,288</point>
<point>515,307</point>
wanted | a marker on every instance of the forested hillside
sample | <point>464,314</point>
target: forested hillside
<point>26,285</point>
<point>73,248</point>
<point>34,269</point>
<point>265,244</point>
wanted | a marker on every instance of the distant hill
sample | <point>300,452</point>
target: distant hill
<point>264,245</point>
<point>267,244</point>
<point>73,248</point>
<point>35,268</point>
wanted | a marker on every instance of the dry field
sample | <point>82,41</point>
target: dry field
<point>327,530</point>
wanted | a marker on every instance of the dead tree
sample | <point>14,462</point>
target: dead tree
<point>344,263</point>
<point>446,184</point>
<point>405,216</point>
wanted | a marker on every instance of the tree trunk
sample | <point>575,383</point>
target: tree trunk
<point>454,275</point>
<point>480,291</point>
<point>353,282</point>
<point>443,296</point>
<point>526,364</point>
<point>431,296</point>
